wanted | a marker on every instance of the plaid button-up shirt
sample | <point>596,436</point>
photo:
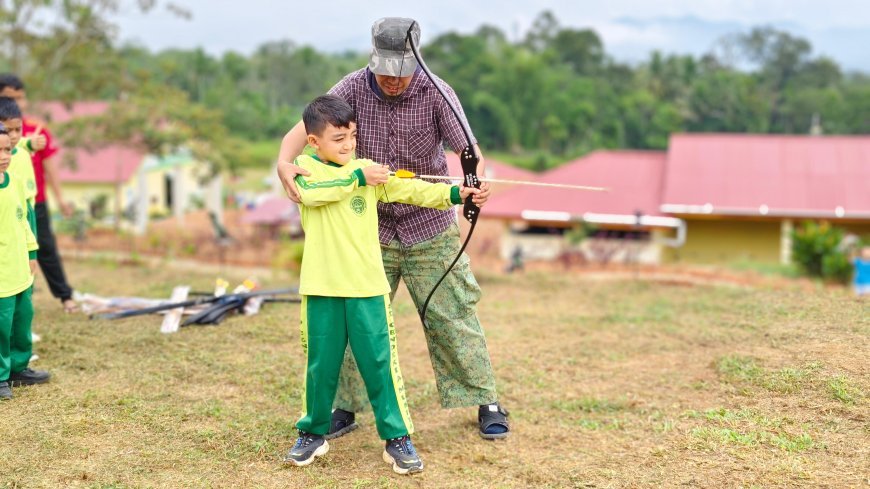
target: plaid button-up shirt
<point>405,134</point>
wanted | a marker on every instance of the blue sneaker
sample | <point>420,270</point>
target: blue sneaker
<point>401,454</point>
<point>306,449</point>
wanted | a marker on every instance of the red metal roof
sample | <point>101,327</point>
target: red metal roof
<point>494,169</point>
<point>774,175</point>
<point>111,164</point>
<point>114,164</point>
<point>633,177</point>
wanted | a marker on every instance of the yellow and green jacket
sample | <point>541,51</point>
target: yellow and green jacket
<point>342,254</point>
<point>16,238</point>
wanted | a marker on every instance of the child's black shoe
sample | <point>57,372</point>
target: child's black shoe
<point>29,376</point>
<point>5,391</point>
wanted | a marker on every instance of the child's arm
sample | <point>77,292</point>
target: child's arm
<point>315,193</point>
<point>315,190</point>
<point>421,193</point>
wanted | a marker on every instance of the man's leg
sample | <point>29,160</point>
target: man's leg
<point>323,332</point>
<point>48,256</point>
<point>457,345</point>
<point>351,394</point>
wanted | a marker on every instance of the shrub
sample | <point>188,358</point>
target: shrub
<point>289,255</point>
<point>816,249</point>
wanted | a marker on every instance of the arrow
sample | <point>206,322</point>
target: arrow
<point>410,174</point>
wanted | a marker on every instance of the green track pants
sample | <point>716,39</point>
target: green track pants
<point>16,343</point>
<point>329,324</point>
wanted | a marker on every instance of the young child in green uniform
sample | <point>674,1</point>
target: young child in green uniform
<point>345,293</point>
<point>17,265</point>
<point>21,166</point>
<point>21,170</point>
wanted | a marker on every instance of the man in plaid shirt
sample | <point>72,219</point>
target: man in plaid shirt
<point>402,122</point>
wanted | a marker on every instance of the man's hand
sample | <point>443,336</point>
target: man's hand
<point>376,174</point>
<point>464,192</point>
<point>67,209</point>
<point>482,196</point>
<point>32,267</point>
<point>287,172</point>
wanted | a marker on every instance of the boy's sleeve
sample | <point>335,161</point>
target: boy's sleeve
<point>321,192</point>
<point>29,237</point>
<point>32,245</point>
<point>419,192</point>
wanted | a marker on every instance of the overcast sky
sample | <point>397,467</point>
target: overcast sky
<point>629,28</point>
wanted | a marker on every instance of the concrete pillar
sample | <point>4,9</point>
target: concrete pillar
<point>179,195</point>
<point>275,182</point>
<point>214,201</point>
<point>141,222</point>
<point>785,229</point>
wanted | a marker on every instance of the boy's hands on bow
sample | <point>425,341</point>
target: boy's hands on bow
<point>376,174</point>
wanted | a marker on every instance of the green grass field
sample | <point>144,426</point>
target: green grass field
<point>611,383</point>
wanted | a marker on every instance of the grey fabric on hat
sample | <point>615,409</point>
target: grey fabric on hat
<point>391,54</point>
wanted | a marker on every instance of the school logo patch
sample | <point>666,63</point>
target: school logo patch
<point>358,204</point>
<point>19,213</point>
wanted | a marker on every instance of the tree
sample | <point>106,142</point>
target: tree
<point>63,48</point>
<point>581,49</point>
<point>68,58</point>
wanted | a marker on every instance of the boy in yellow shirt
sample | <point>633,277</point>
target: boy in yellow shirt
<point>17,265</point>
<point>345,293</point>
<point>21,172</point>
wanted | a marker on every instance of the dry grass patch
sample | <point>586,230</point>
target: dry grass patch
<point>609,383</point>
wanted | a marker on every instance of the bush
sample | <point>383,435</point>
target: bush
<point>816,249</point>
<point>289,255</point>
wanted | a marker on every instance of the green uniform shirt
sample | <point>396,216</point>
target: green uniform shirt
<point>342,255</point>
<point>16,238</point>
<point>21,168</point>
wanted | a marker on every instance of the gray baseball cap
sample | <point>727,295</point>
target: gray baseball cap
<point>391,54</point>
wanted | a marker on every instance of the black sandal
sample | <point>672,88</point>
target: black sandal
<point>343,422</point>
<point>488,417</point>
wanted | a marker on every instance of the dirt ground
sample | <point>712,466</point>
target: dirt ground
<point>252,247</point>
